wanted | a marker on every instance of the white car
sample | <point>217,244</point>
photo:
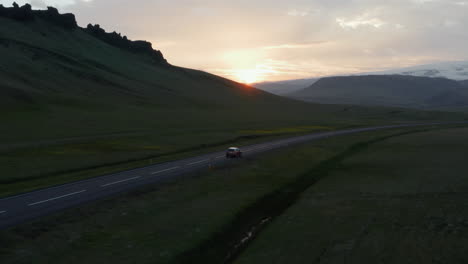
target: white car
<point>233,152</point>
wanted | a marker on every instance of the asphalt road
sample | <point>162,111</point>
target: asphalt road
<point>27,206</point>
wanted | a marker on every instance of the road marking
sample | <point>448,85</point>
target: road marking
<point>196,162</point>
<point>219,157</point>
<point>173,168</point>
<point>129,179</point>
<point>2,212</point>
<point>55,198</point>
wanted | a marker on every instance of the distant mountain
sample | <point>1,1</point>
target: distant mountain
<point>387,90</point>
<point>285,87</point>
<point>455,70</point>
<point>464,82</point>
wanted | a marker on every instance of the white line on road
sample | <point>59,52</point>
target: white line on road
<point>112,183</point>
<point>55,198</point>
<point>196,162</point>
<point>2,212</point>
<point>219,157</point>
<point>173,168</point>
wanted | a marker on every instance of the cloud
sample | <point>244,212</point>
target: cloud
<point>424,1</point>
<point>42,4</point>
<point>450,23</point>
<point>38,4</point>
<point>298,13</point>
<point>285,39</point>
<point>164,44</point>
<point>360,21</point>
<point>295,46</point>
<point>461,3</point>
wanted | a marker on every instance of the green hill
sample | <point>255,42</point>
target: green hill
<point>387,90</point>
<point>81,85</point>
<point>75,99</point>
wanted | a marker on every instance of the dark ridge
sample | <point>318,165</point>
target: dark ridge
<point>116,39</point>
<point>68,21</point>
<point>51,15</point>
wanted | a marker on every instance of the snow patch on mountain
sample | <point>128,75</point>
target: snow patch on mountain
<point>455,70</point>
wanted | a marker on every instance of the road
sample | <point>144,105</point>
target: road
<point>20,208</point>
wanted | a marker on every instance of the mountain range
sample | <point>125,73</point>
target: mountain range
<point>387,90</point>
<point>454,70</point>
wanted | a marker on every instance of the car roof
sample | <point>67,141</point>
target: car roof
<point>233,148</point>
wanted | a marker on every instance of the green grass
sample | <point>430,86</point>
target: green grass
<point>401,200</point>
<point>76,161</point>
<point>161,224</point>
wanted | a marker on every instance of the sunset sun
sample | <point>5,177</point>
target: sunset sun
<point>248,76</point>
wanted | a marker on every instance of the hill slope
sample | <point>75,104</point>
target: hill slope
<point>48,70</point>
<point>387,90</point>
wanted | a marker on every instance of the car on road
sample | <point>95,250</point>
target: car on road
<point>233,152</point>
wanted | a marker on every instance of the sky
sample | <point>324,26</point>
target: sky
<point>269,40</point>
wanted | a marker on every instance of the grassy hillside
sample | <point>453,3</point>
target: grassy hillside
<point>387,90</point>
<point>73,100</point>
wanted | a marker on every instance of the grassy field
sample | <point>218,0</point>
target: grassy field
<point>75,161</point>
<point>401,200</point>
<point>72,107</point>
<point>161,224</point>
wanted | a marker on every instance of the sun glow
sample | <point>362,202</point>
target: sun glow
<point>247,76</point>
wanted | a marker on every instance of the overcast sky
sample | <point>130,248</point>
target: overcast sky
<point>274,40</point>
